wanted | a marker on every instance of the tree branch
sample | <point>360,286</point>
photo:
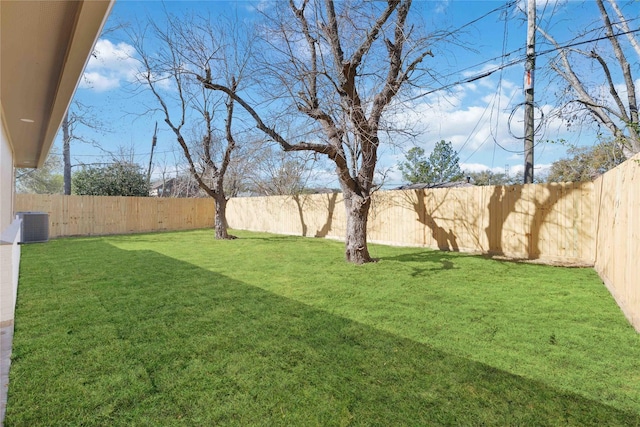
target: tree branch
<point>632,123</point>
<point>568,74</point>
<point>612,88</point>
<point>625,26</point>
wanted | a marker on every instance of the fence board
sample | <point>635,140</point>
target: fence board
<point>552,221</point>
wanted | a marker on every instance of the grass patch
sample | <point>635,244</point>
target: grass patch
<point>180,329</point>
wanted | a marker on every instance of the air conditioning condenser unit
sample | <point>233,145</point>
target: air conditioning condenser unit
<point>35,227</point>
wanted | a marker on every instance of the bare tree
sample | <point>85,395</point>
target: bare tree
<point>78,115</point>
<point>43,180</point>
<point>190,109</point>
<point>340,66</point>
<point>279,173</point>
<point>66,153</point>
<point>611,104</point>
<point>263,168</point>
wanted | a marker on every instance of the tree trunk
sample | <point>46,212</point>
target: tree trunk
<point>357,212</point>
<point>66,154</point>
<point>221,217</point>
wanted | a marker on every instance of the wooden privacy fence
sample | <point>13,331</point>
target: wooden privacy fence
<point>617,219</point>
<point>549,222</point>
<point>552,221</point>
<point>96,215</point>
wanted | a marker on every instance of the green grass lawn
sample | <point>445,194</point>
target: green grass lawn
<point>180,329</point>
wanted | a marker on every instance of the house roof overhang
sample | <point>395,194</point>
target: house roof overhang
<point>44,47</point>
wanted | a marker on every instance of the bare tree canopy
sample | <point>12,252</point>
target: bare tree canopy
<point>599,77</point>
<point>340,66</point>
<point>279,173</point>
<point>191,111</point>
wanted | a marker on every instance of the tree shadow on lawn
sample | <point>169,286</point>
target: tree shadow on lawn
<point>434,259</point>
<point>112,337</point>
<point>446,260</point>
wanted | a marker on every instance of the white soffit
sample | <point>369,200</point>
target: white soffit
<point>44,47</point>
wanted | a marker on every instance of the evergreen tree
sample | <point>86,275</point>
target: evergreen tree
<point>442,165</point>
<point>416,167</point>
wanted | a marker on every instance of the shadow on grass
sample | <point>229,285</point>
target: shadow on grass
<point>428,255</point>
<point>112,337</point>
<point>439,261</point>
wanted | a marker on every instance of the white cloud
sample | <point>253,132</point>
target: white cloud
<point>160,81</point>
<point>473,167</point>
<point>471,116</point>
<point>324,178</point>
<point>109,66</point>
<point>98,82</point>
<point>491,66</point>
<point>540,169</point>
<point>389,177</point>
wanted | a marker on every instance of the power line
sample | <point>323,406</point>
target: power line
<point>505,65</point>
<point>505,32</point>
<point>514,62</point>
<point>134,154</point>
<point>496,95</point>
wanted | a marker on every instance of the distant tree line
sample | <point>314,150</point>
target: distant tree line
<point>120,178</point>
<point>280,175</point>
<point>587,163</point>
<point>584,163</point>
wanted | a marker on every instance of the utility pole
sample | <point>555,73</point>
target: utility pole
<point>529,68</point>
<point>66,154</point>
<point>153,145</point>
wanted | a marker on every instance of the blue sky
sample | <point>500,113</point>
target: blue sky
<point>474,116</point>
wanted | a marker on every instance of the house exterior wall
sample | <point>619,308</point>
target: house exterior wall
<point>9,233</point>
<point>6,180</point>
